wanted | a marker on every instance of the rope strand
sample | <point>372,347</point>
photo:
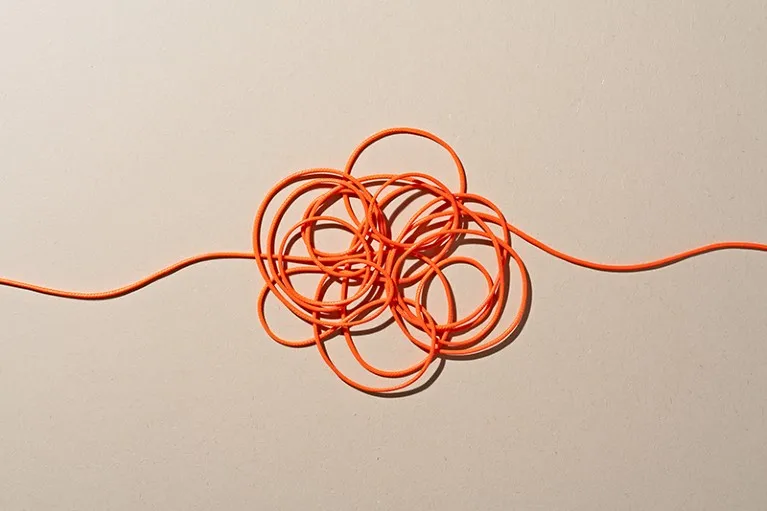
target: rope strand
<point>368,279</point>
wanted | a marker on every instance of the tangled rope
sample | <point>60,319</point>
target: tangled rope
<point>369,277</point>
<point>373,275</point>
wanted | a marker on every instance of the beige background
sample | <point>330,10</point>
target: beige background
<point>136,133</point>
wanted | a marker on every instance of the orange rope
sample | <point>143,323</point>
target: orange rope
<point>369,277</point>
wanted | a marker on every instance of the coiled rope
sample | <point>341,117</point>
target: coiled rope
<point>371,276</point>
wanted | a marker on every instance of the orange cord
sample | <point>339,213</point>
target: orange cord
<point>370,274</point>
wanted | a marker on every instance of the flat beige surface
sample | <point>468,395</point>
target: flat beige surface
<point>135,135</point>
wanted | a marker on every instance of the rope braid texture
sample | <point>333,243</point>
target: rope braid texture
<point>370,277</point>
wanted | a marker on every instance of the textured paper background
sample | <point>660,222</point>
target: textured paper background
<point>133,134</point>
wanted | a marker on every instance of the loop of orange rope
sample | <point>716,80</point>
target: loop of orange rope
<point>369,278</point>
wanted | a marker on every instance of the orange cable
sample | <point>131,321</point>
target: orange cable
<point>370,274</point>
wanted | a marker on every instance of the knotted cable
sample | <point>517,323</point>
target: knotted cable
<point>381,266</point>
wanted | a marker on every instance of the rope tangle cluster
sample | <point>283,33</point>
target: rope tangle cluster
<point>383,270</point>
<point>372,275</point>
